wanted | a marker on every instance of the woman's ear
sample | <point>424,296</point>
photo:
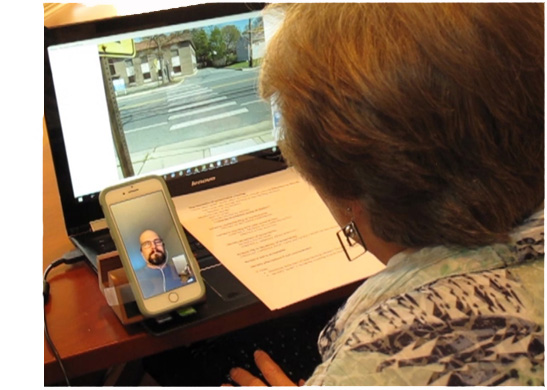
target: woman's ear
<point>383,250</point>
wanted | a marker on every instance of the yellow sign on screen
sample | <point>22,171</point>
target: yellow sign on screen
<point>118,49</point>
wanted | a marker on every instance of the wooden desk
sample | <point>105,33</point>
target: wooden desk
<point>88,335</point>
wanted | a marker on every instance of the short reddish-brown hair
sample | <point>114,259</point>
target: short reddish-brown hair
<point>432,115</point>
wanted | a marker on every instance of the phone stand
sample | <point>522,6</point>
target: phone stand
<point>114,285</point>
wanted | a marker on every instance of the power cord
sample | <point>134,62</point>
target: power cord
<point>71,257</point>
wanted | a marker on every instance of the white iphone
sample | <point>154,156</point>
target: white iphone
<point>161,268</point>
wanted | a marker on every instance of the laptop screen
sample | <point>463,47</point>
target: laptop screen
<point>173,93</point>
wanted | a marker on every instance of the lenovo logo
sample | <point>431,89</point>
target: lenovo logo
<point>203,181</point>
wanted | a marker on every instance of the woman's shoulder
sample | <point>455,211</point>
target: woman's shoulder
<point>445,314</point>
<point>483,328</point>
<point>409,271</point>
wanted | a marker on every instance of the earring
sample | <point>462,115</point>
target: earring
<point>350,238</point>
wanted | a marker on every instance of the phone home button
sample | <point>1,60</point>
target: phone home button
<point>173,297</point>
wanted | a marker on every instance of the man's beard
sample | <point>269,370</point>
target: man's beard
<point>157,258</point>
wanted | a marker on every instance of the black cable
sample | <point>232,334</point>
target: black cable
<point>71,257</point>
<point>54,351</point>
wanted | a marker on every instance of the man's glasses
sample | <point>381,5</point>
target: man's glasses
<point>149,244</point>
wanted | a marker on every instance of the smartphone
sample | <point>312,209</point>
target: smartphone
<point>162,270</point>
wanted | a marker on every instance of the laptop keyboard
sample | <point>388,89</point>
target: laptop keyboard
<point>291,341</point>
<point>100,241</point>
<point>203,256</point>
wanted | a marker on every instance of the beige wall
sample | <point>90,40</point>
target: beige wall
<point>66,13</point>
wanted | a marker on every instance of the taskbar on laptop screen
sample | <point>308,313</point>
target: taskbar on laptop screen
<point>212,174</point>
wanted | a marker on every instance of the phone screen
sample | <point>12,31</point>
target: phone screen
<point>152,243</point>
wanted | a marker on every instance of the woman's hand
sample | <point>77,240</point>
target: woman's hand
<point>271,371</point>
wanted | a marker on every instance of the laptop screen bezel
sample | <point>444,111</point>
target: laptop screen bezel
<point>78,215</point>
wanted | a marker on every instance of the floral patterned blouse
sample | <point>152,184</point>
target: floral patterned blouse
<point>444,316</point>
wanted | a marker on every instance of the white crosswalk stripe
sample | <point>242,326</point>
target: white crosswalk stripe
<point>197,104</point>
<point>201,110</point>
<point>209,119</point>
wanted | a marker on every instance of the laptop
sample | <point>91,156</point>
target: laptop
<point>172,93</point>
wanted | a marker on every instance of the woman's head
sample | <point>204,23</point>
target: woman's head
<point>431,115</point>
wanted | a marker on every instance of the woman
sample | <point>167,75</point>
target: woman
<point>422,128</point>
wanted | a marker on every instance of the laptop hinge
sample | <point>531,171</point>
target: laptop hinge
<point>99,224</point>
